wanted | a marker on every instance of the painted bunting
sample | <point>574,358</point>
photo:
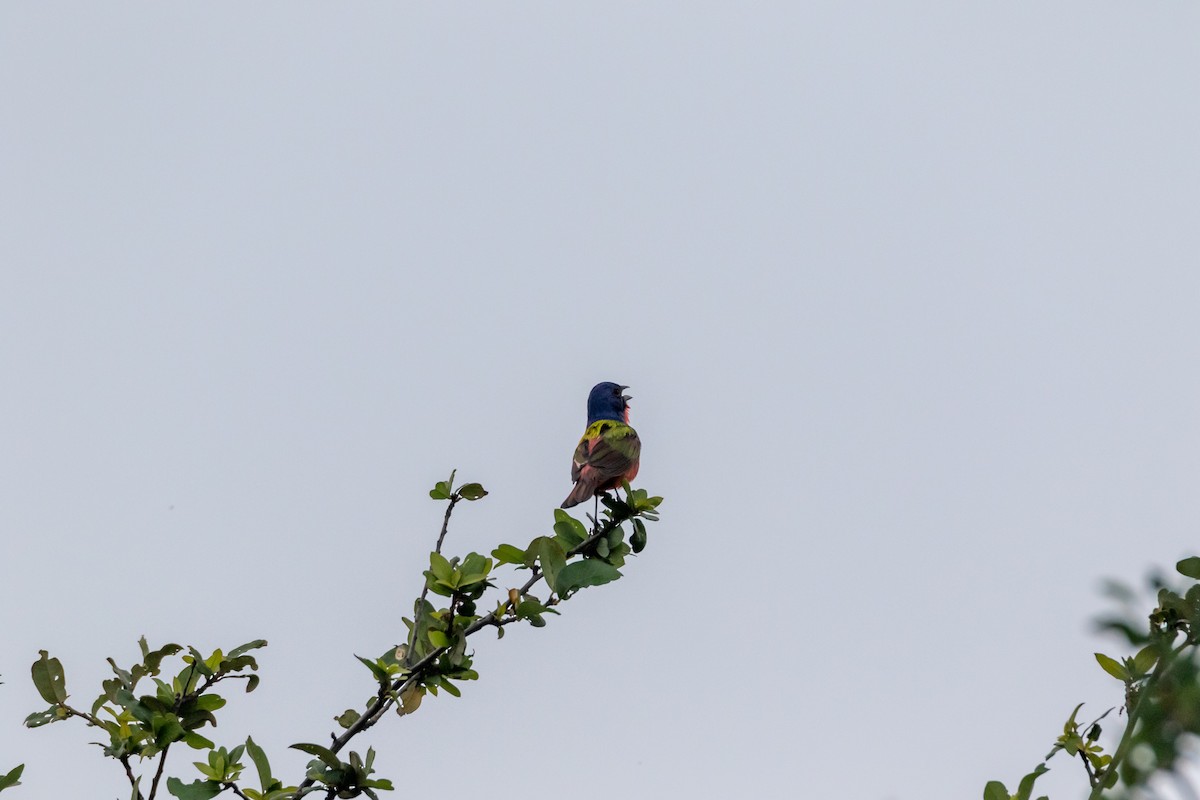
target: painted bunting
<point>609,451</point>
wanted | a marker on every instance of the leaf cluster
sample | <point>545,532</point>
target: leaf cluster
<point>223,770</point>
<point>343,778</point>
<point>145,724</point>
<point>1161,688</point>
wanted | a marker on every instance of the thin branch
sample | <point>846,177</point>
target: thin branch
<point>450,614</point>
<point>1087,767</point>
<point>129,774</point>
<point>162,762</point>
<point>91,719</point>
<point>235,789</point>
<point>445,526</point>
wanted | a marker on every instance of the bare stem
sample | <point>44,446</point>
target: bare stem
<point>129,774</point>
<point>445,525</point>
<point>162,762</point>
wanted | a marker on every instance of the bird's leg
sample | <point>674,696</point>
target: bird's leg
<point>596,515</point>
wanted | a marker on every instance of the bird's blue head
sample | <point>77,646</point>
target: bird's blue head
<point>606,401</point>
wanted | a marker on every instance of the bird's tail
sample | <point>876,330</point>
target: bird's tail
<point>583,491</point>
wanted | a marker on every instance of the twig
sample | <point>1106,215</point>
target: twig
<point>162,762</point>
<point>1087,767</point>
<point>235,789</point>
<point>412,635</point>
<point>445,526</point>
<point>129,774</point>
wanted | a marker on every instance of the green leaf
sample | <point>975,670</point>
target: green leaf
<point>995,791</point>
<point>570,532</point>
<point>550,556</point>
<point>326,755</point>
<point>584,573</point>
<point>248,646</point>
<point>1025,789</point>
<point>472,491</point>
<point>638,539</point>
<point>196,667</point>
<point>198,790</point>
<point>166,729</point>
<point>440,567</point>
<point>347,718</point>
<point>259,757</point>
<point>197,742</point>
<point>1070,725</point>
<point>1189,567</point>
<point>473,573</point>
<point>40,718</point>
<point>438,639</point>
<point>1145,660</point>
<point>210,702</point>
<point>443,489</point>
<point>12,778</point>
<point>49,679</point>
<point>510,554</point>
<point>153,660</point>
<point>378,670</point>
<point>1113,667</point>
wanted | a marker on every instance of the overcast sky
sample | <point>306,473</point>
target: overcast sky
<point>906,295</point>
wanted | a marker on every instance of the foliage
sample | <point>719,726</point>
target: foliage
<point>13,777</point>
<point>143,721</point>
<point>1161,689</point>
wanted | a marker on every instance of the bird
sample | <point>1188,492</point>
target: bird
<point>609,451</point>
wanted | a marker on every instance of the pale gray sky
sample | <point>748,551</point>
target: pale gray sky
<point>906,294</point>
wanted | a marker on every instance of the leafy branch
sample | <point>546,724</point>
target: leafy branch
<point>436,653</point>
<point>1161,683</point>
<point>433,658</point>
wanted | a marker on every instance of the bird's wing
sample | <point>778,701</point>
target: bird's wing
<point>609,453</point>
<point>579,459</point>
